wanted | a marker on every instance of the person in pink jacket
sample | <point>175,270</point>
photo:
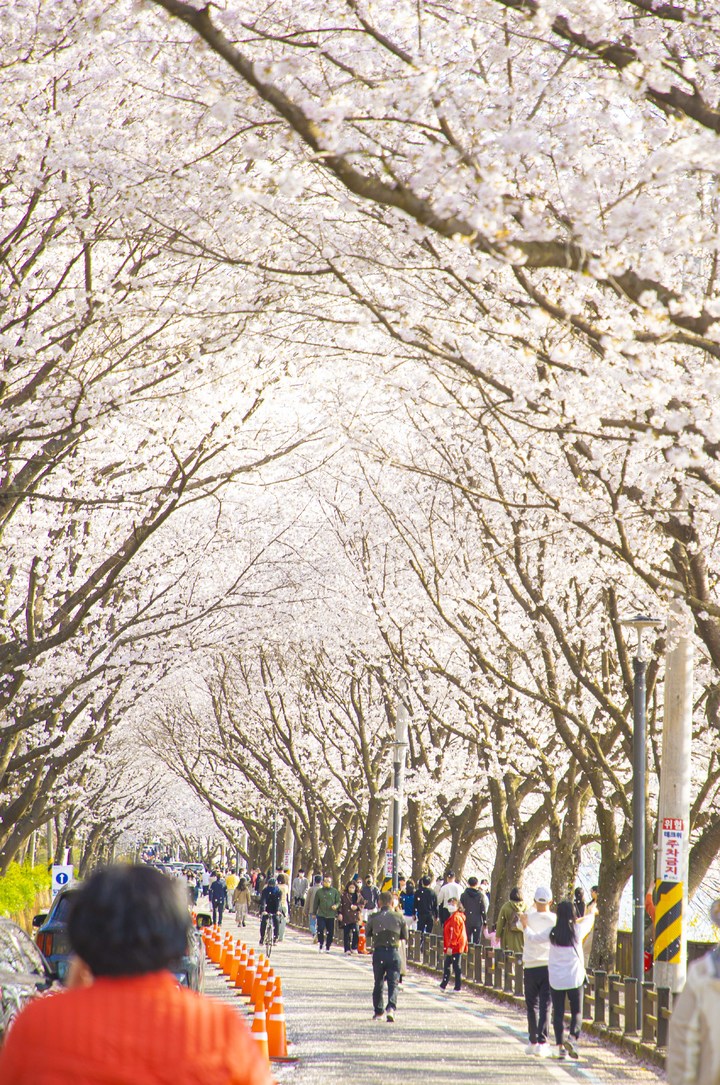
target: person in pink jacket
<point>455,943</point>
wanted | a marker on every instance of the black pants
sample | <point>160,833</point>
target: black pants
<point>537,1002</point>
<point>350,936</point>
<point>575,999</point>
<point>443,915</point>
<point>425,923</point>
<point>474,935</point>
<point>325,931</point>
<point>263,925</point>
<point>386,966</point>
<point>218,909</point>
<point>453,960</point>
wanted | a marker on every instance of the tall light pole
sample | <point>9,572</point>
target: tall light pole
<point>640,624</point>
<point>273,857</point>
<point>399,751</point>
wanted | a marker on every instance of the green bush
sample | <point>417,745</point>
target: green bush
<point>20,887</point>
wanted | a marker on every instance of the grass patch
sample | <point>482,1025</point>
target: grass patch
<point>21,886</point>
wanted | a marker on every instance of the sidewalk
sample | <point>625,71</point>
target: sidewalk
<point>452,1039</point>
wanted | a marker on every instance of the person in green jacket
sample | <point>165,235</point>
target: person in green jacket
<point>325,907</point>
<point>508,928</point>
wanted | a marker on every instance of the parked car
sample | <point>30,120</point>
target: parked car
<point>24,972</point>
<point>52,939</point>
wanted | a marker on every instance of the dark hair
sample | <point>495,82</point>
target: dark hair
<point>579,901</point>
<point>281,879</point>
<point>410,885</point>
<point>516,894</point>
<point>594,888</point>
<point>350,886</point>
<point>128,920</point>
<point>427,879</point>
<point>564,933</point>
<point>450,874</point>
<point>242,884</point>
<point>472,882</point>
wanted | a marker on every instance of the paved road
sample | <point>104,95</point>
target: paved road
<point>452,1039</point>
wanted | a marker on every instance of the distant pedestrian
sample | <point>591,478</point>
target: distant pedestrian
<point>351,908</point>
<point>385,931</point>
<point>509,928</point>
<point>485,889</point>
<point>407,903</point>
<point>426,907</point>
<point>299,889</point>
<point>326,906</point>
<point>450,888</point>
<point>566,969</point>
<point>205,882</point>
<point>455,943</point>
<point>270,904</point>
<point>309,902</point>
<point>370,893</point>
<point>579,902</point>
<point>241,901</point>
<point>473,901</point>
<point>218,897</point>
<point>536,979</point>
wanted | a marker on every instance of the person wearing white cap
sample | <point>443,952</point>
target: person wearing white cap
<point>535,973</point>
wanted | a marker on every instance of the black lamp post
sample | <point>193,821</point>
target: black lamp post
<point>640,623</point>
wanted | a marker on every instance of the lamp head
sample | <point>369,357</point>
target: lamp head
<point>640,623</point>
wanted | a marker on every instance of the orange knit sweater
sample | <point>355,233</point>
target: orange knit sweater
<point>138,1030</point>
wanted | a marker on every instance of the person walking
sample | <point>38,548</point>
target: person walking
<point>205,882</point>
<point>566,971</point>
<point>473,902</point>
<point>407,903</point>
<point>385,931</point>
<point>300,887</point>
<point>455,943</point>
<point>536,979</point>
<point>309,902</point>
<point>449,889</point>
<point>325,907</point>
<point>270,904</point>
<point>509,929</point>
<point>218,897</point>
<point>693,1055</point>
<point>370,894</point>
<point>123,1018</point>
<point>351,907</point>
<point>241,901</point>
<point>426,907</point>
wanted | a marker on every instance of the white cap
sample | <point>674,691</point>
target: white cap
<point>543,895</point>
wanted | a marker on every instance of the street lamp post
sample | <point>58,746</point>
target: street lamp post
<point>639,623</point>
<point>273,857</point>
<point>399,752</point>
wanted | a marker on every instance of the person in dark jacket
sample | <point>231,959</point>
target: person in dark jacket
<point>218,897</point>
<point>473,901</point>
<point>370,893</point>
<point>351,907</point>
<point>270,901</point>
<point>426,908</point>
<point>386,929</point>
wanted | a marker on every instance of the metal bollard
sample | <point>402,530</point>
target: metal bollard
<point>600,999</point>
<point>630,998</point>
<point>663,1015</point>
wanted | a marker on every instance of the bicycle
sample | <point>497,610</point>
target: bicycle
<point>268,940</point>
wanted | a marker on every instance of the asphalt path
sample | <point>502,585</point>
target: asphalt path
<point>451,1038</point>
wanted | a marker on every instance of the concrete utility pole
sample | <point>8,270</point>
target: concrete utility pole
<point>671,887</point>
<point>399,753</point>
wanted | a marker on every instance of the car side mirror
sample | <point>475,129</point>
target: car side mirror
<point>38,920</point>
<point>202,920</point>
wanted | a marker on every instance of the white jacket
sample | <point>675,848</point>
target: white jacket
<point>536,952</point>
<point>447,892</point>
<point>566,965</point>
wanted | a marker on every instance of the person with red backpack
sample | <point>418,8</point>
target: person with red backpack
<point>455,942</point>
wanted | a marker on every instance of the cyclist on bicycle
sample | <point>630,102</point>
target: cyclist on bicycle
<point>270,901</point>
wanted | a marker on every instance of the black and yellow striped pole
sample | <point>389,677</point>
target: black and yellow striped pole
<point>670,946</point>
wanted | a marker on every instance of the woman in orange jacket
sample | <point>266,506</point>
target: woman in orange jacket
<point>125,1020</point>
<point>455,943</point>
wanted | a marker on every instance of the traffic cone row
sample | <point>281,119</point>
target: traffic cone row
<point>255,979</point>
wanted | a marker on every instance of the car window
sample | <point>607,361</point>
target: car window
<point>61,911</point>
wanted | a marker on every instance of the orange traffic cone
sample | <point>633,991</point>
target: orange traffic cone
<point>214,946</point>
<point>362,944</point>
<point>249,978</point>
<point>259,1026</point>
<point>242,968</point>
<point>277,1034</point>
<point>261,978</point>
<point>241,960</point>
<point>234,963</point>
